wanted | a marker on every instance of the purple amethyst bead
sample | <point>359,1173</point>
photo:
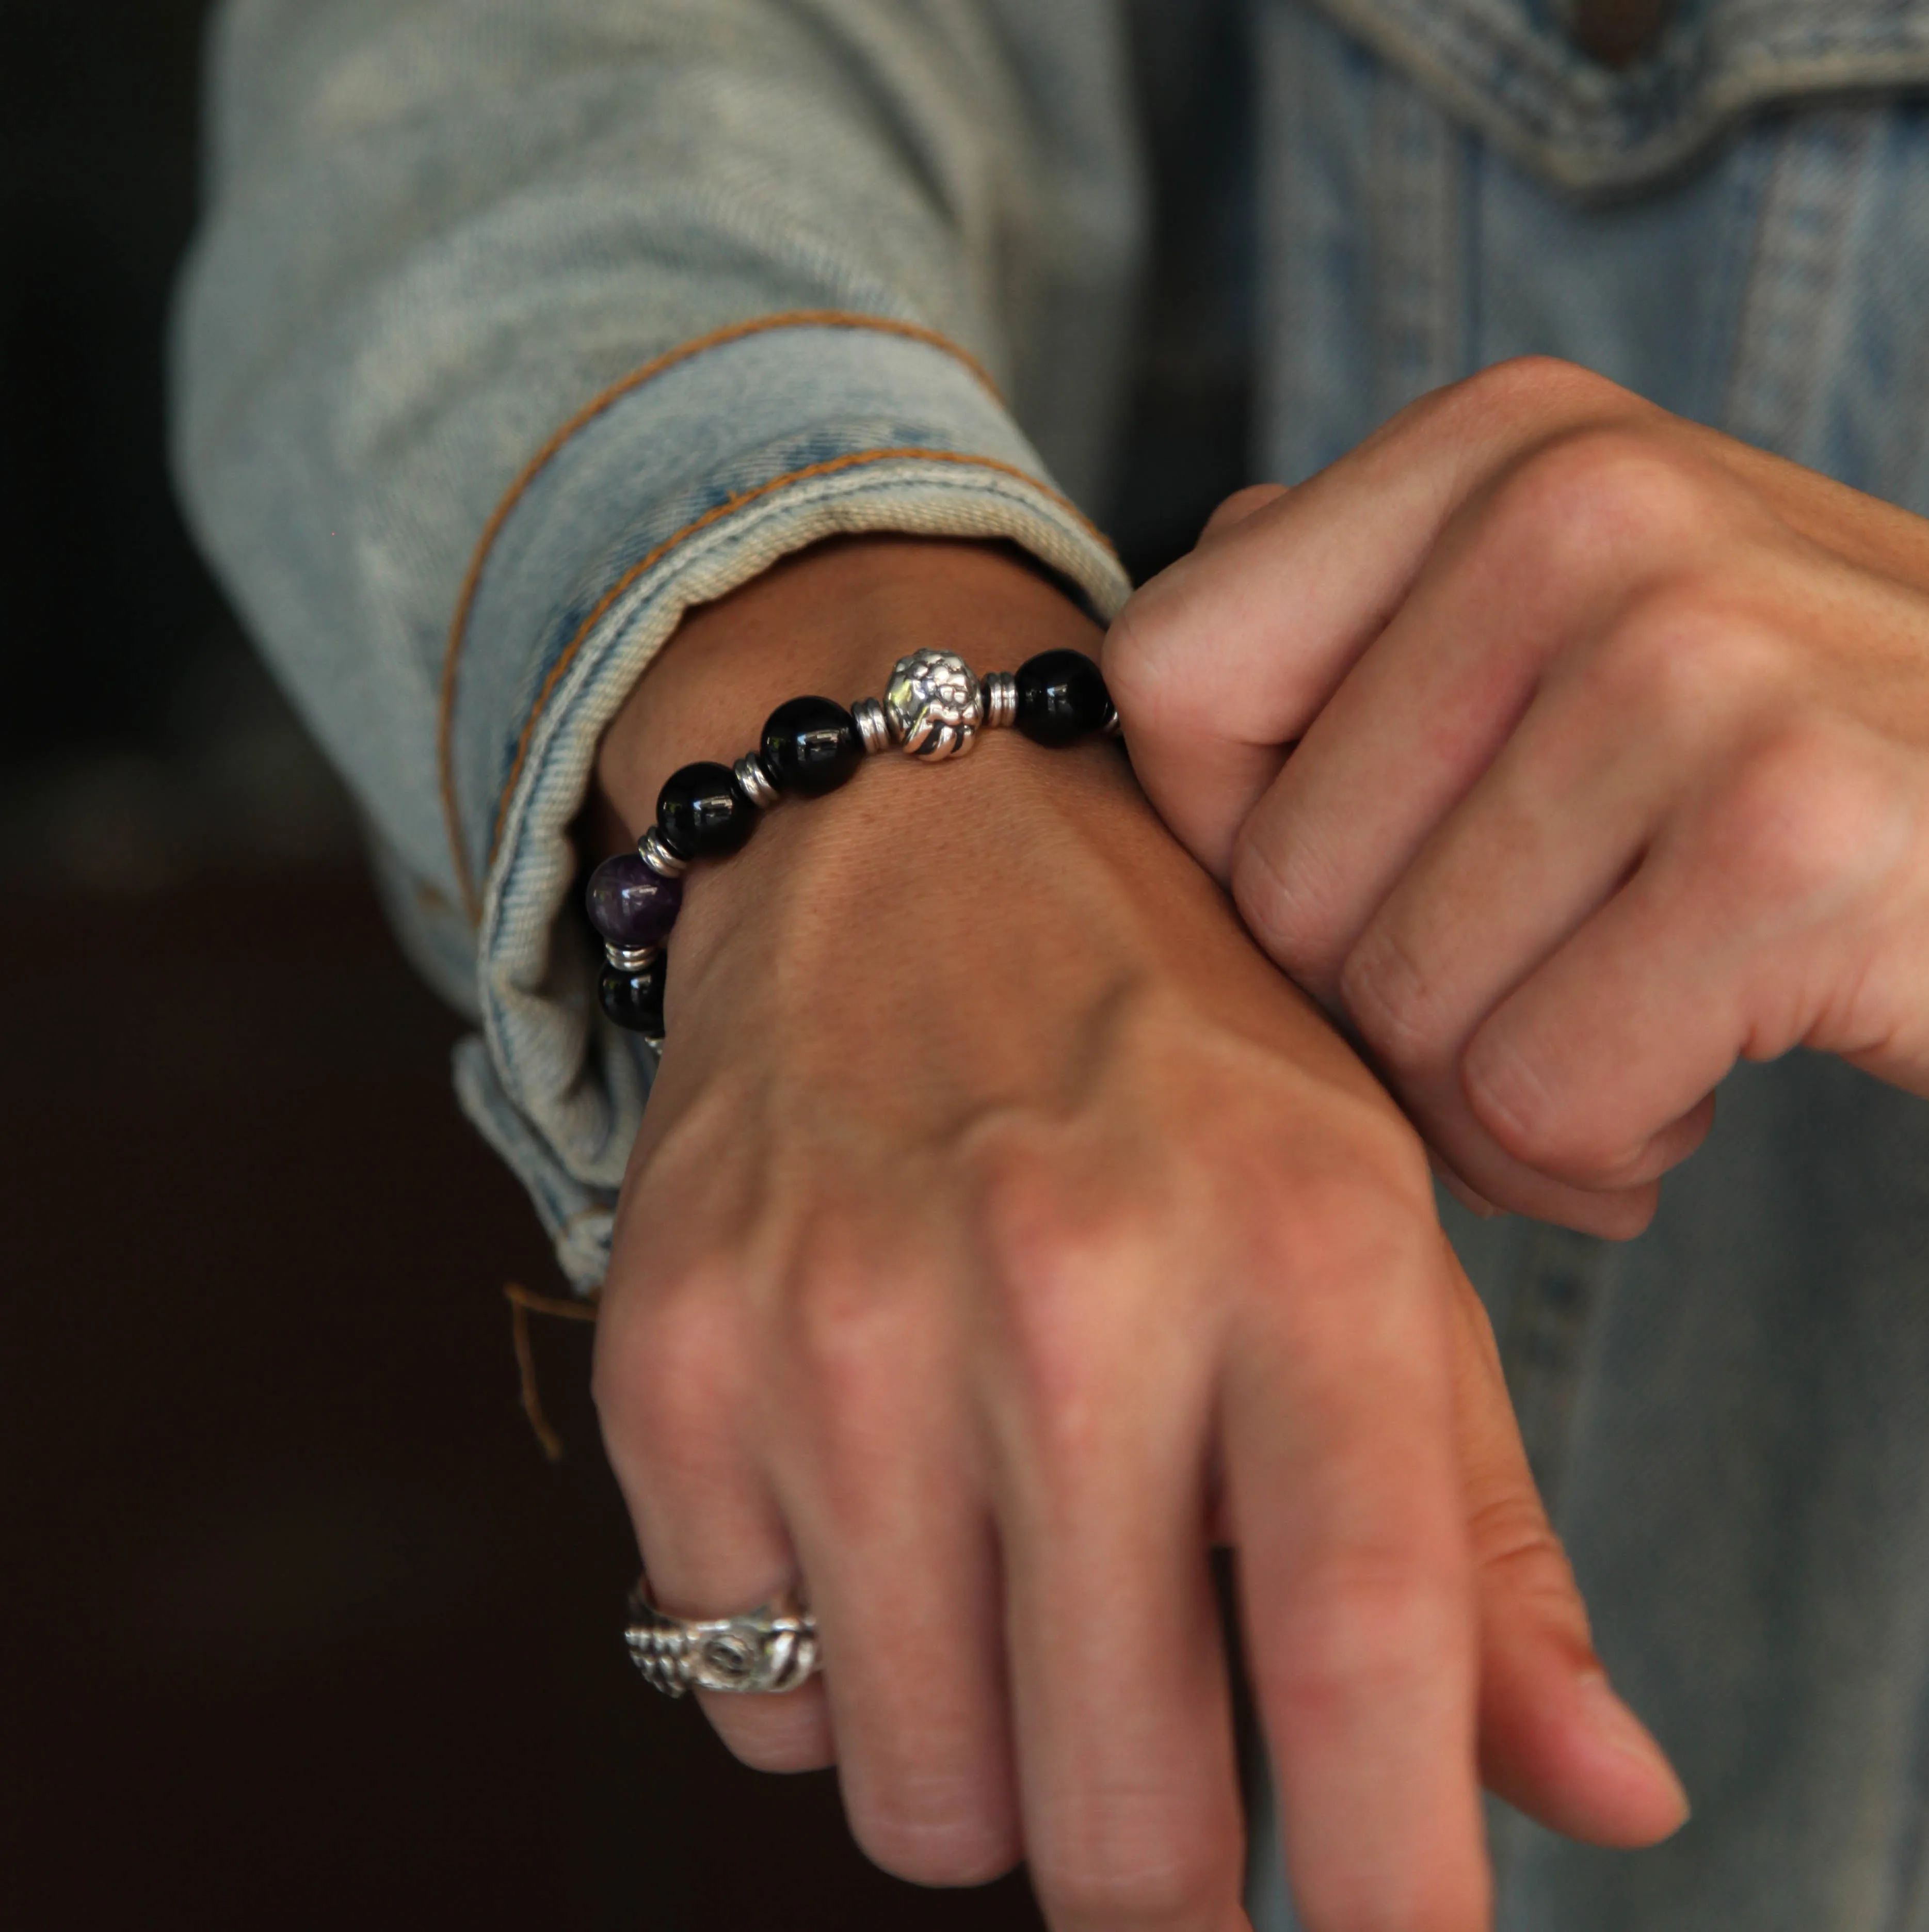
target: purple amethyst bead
<point>630,905</point>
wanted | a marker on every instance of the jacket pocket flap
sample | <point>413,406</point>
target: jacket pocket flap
<point>1509,68</point>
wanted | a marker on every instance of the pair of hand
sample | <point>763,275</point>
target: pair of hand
<point>1005,1229</point>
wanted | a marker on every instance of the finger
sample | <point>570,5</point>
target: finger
<point>1126,1753</point>
<point>888,1510</point>
<point>1734,936</point>
<point>1555,1741</point>
<point>672,1381</point>
<point>1550,603</point>
<point>1236,647</point>
<point>1355,1579</point>
<point>1233,771</point>
<point>1545,836</point>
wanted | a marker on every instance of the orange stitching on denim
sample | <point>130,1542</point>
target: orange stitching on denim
<point>522,1305</point>
<point>472,581</point>
<point>712,515</point>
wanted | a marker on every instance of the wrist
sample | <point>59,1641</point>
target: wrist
<point>831,621</point>
<point>907,884</point>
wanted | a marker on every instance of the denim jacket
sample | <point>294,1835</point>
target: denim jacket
<point>516,327</point>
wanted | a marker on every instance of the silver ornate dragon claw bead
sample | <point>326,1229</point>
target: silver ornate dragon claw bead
<point>934,704</point>
<point>773,1648</point>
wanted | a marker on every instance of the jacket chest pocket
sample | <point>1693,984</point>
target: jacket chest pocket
<point>1720,225</point>
<point>1516,70</point>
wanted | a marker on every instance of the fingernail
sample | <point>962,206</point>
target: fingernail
<point>1618,1727</point>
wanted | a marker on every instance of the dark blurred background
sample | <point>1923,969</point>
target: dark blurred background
<point>300,1628</point>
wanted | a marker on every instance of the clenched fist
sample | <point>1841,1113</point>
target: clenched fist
<point>1609,763</point>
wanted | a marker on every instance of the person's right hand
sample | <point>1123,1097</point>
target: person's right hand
<point>1003,1229</point>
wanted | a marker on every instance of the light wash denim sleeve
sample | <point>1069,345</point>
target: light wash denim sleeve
<point>513,330</point>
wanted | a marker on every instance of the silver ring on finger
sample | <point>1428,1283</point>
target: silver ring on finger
<point>772,1648</point>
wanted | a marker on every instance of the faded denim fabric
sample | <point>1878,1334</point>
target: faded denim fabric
<point>439,229</point>
<point>1730,1416</point>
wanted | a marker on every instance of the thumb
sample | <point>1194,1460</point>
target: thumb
<point>1555,1741</point>
<point>1158,670</point>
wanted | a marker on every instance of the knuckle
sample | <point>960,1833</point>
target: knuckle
<point>1356,1216</point>
<point>667,1366</point>
<point>1342,1230</point>
<point>1681,654</point>
<point>1373,1623</point>
<point>1290,898</point>
<point>1520,1095</point>
<point>1530,386</point>
<point>864,1369</point>
<point>1045,1219</point>
<point>1396,1004</point>
<point>1509,1529</point>
<point>1517,1555</point>
<point>1497,399</point>
<point>1580,500</point>
<point>936,1831</point>
<point>1527,1124</point>
<point>1807,818</point>
<point>846,1316</point>
<point>1421,1897</point>
<point>1133,1872</point>
<point>1064,1300</point>
<point>780,1738</point>
<point>1052,1254</point>
<point>1567,1148</point>
<point>1508,1089</point>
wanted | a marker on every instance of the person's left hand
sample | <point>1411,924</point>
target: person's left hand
<point>1612,766</point>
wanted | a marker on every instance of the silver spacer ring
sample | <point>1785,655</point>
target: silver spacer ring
<point>873,726</point>
<point>660,859</point>
<point>1001,699</point>
<point>753,782</point>
<point>632,958</point>
<point>773,1648</point>
<point>1114,724</point>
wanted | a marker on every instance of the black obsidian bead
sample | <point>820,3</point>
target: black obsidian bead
<point>635,1000</point>
<point>811,746</point>
<point>1062,697</point>
<point>701,815</point>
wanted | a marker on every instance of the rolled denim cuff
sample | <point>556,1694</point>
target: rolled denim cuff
<point>683,484</point>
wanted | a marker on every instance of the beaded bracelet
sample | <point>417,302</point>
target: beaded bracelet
<point>932,708</point>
